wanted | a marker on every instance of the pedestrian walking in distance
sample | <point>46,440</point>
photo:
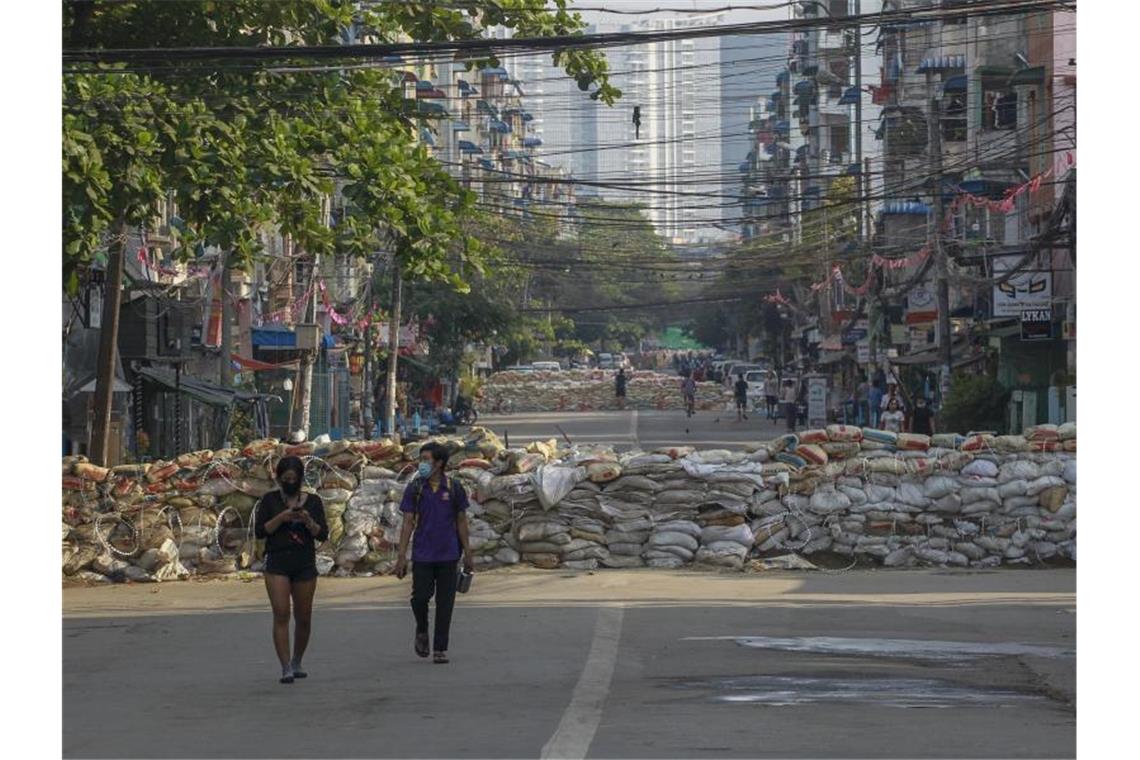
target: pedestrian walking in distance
<point>435,521</point>
<point>741,397</point>
<point>291,522</point>
<point>771,396</point>
<point>619,387</point>
<point>790,404</point>
<point>689,391</point>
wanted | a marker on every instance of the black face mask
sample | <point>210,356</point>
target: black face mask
<point>291,489</point>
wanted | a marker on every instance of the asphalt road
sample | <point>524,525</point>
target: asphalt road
<point>644,429</point>
<point>614,664</point>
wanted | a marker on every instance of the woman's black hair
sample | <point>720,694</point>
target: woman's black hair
<point>291,463</point>
<point>438,452</point>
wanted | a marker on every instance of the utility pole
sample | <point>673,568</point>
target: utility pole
<point>226,364</point>
<point>108,348</point>
<point>369,370</point>
<point>936,249</point>
<point>310,356</point>
<point>859,114</point>
<point>393,346</point>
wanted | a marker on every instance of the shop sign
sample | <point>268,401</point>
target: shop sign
<point>1037,324</point>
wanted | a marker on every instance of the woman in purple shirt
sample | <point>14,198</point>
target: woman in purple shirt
<point>435,509</point>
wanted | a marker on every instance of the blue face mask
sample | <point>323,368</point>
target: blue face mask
<point>425,470</point>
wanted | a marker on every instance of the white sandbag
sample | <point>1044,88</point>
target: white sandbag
<point>351,549</point>
<point>774,540</point>
<point>1019,469</point>
<point>971,494</point>
<point>665,563</point>
<point>1013,488</point>
<point>679,496</point>
<point>357,522</point>
<point>507,556</point>
<point>172,571</point>
<point>542,530</point>
<point>899,557</point>
<point>937,486</point>
<point>740,534</point>
<point>1067,432</point>
<point>981,468</point>
<point>634,483</point>
<point>911,494</point>
<point>679,526</point>
<point>969,550</point>
<point>1070,471</point>
<point>877,494</point>
<point>673,538</point>
<point>820,544</point>
<point>827,499</point>
<point>1043,483</point>
<point>553,482</point>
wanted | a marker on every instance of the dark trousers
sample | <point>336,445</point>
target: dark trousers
<point>790,415</point>
<point>438,579</point>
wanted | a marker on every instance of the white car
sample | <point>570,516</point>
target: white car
<point>756,379</point>
<point>547,367</point>
<point>606,361</point>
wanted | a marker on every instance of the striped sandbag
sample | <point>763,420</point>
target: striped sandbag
<point>844,433</point>
<point>792,460</point>
<point>880,436</point>
<point>978,443</point>
<point>811,453</point>
<point>913,442</point>
<point>787,442</point>
<point>813,436</point>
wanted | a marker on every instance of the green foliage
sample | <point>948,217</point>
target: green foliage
<point>976,402</point>
<point>243,147</point>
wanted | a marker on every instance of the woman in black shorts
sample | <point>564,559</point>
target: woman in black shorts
<point>291,522</point>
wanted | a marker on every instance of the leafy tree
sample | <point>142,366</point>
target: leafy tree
<point>976,402</point>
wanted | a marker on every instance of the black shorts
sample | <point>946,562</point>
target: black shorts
<point>741,403</point>
<point>296,566</point>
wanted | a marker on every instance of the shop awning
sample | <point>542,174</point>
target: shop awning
<point>915,208</point>
<point>850,97</point>
<point>532,142</point>
<point>427,108</point>
<point>955,84</point>
<point>466,146</point>
<point>1030,76</point>
<point>256,366</point>
<point>744,166</point>
<point>459,125</point>
<point>118,387</point>
<point>486,164</point>
<point>804,87</point>
<point>500,126</point>
<point>933,356</point>
<point>207,393</point>
<point>495,71</point>
<point>427,137</point>
<point>279,337</point>
<point>942,63</point>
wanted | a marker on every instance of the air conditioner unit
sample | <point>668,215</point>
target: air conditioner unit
<point>308,337</point>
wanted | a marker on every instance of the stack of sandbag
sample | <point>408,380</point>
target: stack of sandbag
<point>589,390</point>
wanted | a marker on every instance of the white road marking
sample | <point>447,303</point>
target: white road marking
<point>580,722</point>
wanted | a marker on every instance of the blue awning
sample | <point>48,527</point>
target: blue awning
<point>427,108</point>
<point>484,107</point>
<point>527,116</point>
<point>464,87</point>
<point>804,87</point>
<point>500,126</point>
<point>955,84</point>
<point>744,166</point>
<point>495,71</point>
<point>466,146</point>
<point>486,163</point>
<point>279,337</point>
<point>426,136</point>
<point>783,126</point>
<point>850,97</point>
<point>460,126</point>
<point>782,77</point>
<point>532,142</point>
<point>942,63</point>
<point>913,208</point>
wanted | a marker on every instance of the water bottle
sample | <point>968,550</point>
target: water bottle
<point>416,421</point>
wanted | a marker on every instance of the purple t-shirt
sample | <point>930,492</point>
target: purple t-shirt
<point>436,538</point>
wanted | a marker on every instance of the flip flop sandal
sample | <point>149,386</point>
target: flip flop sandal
<point>300,674</point>
<point>422,648</point>
<point>286,679</point>
<point>440,658</point>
